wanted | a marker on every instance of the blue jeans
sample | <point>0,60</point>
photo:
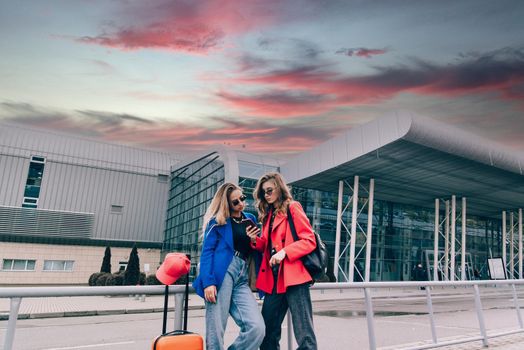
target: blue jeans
<point>236,299</point>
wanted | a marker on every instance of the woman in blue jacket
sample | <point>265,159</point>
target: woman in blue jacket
<point>223,275</point>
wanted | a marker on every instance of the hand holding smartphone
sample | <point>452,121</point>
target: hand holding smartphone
<point>252,229</point>
<point>248,223</point>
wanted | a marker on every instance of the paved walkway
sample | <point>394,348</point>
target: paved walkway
<point>326,326</point>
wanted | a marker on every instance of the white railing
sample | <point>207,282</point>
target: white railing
<point>16,295</point>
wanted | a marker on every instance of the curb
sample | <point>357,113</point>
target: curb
<point>5,316</point>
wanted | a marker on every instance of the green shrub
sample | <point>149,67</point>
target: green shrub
<point>132,273</point>
<point>110,280</point>
<point>101,280</point>
<point>115,279</point>
<point>119,279</point>
<point>152,280</point>
<point>106,263</point>
<point>142,279</point>
<point>93,278</point>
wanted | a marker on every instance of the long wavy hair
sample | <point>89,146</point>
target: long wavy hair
<point>282,202</point>
<point>219,207</point>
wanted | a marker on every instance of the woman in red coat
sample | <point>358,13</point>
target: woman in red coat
<point>282,275</point>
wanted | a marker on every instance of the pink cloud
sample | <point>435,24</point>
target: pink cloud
<point>188,39</point>
<point>279,104</point>
<point>500,73</point>
<point>193,27</point>
<point>254,135</point>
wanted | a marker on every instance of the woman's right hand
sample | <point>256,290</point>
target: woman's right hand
<point>210,294</point>
<point>252,232</point>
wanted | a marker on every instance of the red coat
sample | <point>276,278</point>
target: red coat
<point>291,271</point>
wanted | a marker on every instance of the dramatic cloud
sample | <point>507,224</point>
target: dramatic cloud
<point>361,52</point>
<point>299,49</point>
<point>500,73</point>
<point>187,26</point>
<point>195,38</point>
<point>280,104</point>
<point>250,134</point>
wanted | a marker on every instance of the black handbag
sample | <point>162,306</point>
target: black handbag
<point>315,262</point>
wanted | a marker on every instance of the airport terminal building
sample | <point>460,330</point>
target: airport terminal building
<point>63,199</point>
<point>386,196</point>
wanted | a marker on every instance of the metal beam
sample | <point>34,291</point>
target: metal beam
<point>512,246</point>
<point>446,246</point>
<point>463,242</point>
<point>339,226</point>
<point>453,223</point>
<point>520,243</point>
<point>369,232</point>
<point>504,238</point>
<point>353,241</point>
<point>435,240</point>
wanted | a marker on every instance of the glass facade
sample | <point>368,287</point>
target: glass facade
<point>192,188</point>
<point>402,234</point>
<point>402,237</point>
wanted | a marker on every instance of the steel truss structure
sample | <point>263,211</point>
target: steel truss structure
<point>347,269</point>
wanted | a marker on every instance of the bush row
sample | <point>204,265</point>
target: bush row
<point>117,279</point>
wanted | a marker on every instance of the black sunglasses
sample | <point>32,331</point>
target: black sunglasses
<point>267,192</point>
<point>237,201</point>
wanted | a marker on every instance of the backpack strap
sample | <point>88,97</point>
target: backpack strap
<point>292,224</point>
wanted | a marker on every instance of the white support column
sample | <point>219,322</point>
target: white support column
<point>512,246</point>
<point>369,232</point>
<point>520,243</point>
<point>453,223</point>
<point>504,238</point>
<point>446,246</point>
<point>353,242</point>
<point>463,242</point>
<point>435,240</point>
<point>339,227</point>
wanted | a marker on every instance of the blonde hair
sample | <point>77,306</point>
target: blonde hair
<point>219,207</point>
<point>282,202</point>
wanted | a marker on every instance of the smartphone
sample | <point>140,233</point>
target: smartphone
<point>248,223</point>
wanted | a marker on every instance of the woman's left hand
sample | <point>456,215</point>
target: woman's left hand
<point>277,257</point>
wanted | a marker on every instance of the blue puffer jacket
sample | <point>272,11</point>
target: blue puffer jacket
<point>217,253</point>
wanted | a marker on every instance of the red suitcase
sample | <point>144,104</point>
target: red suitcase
<point>180,339</point>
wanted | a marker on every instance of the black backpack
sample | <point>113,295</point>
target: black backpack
<point>315,262</point>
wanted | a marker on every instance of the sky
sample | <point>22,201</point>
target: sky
<point>264,76</point>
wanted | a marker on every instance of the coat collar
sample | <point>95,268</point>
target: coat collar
<point>279,218</point>
<point>226,231</point>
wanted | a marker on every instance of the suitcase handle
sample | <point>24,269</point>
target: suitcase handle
<point>186,303</point>
<point>178,332</point>
<point>166,301</point>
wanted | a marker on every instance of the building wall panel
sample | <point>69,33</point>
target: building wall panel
<point>13,176</point>
<point>78,150</point>
<point>92,190</point>
<point>87,260</point>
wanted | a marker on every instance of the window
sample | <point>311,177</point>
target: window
<point>163,178</point>
<point>122,265</point>
<point>18,265</point>
<point>117,209</point>
<point>34,182</point>
<point>30,202</point>
<point>58,265</point>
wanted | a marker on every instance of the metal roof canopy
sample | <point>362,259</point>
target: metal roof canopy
<point>413,161</point>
